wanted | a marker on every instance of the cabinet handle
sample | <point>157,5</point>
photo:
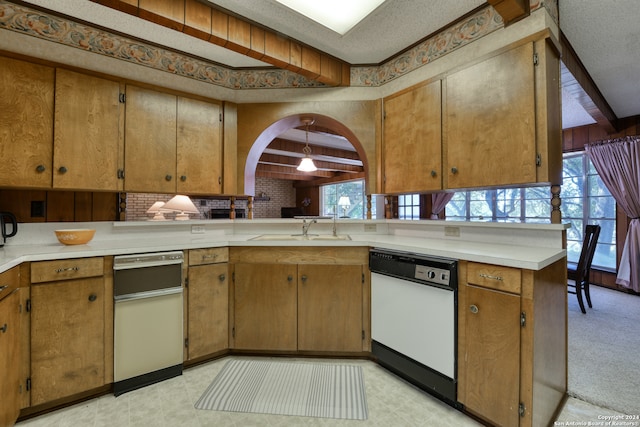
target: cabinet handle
<point>454,170</point>
<point>473,308</point>
<point>40,168</point>
<point>3,287</point>
<point>168,177</point>
<point>304,278</point>
<point>490,277</point>
<point>183,178</point>
<point>62,169</point>
<point>434,173</point>
<point>93,297</point>
<point>222,277</point>
<point>219,180</point>
<point>4,328</point>
<point>289,278</point>
<point>206,257</point>
<point>62,270</point>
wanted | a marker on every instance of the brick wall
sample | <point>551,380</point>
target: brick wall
<point>138,203</point>
<point>280,193</point>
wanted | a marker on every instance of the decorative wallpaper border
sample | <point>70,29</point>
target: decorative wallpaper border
<point>59,30</point>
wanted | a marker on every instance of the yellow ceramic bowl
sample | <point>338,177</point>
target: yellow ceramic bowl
<point>75,236</point>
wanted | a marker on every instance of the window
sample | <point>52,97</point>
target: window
<point>357,201</point>
<point>409,206</point>
<point>586,200</point>
<point>505,204</point>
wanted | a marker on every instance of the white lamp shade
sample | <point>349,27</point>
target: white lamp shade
<point>158,211</point>
<point>181,204</point>
<point>307,165</point>
<point>344,201</point>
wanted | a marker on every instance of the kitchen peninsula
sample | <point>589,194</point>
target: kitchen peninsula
<point>528,258</point>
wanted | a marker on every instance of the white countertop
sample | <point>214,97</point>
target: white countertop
<point>508,245</point>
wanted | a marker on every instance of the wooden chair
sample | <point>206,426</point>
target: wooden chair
<point>579,273</point>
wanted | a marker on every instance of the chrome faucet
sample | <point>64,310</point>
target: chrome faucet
<point>306,225</point>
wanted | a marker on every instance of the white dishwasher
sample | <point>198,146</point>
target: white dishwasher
<point>414,319</point>
<point>148,319</point>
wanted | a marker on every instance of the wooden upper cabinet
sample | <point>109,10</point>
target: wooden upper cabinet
<point>26,114</point>
<point>490,122</point>
<point>199,147</point>
<point>412,148</point>
<point>88,145</point>
<point>150,141</point>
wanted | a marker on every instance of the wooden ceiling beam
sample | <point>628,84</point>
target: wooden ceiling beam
<point>575,79</point>
<point>288,172</point>
<point>232,32</point>
<point>295,161</point>
<point>296,147</point>
<point>511,10</point>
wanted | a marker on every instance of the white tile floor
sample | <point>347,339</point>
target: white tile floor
<point>391,402</point>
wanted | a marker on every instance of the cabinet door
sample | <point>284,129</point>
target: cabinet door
<point>10,358</point>
<point>26,114</point>
<point>150,141</point>
<point>490,122</point>
<point>199,148</point>
<point>265,306</point>
<point>87,149</point>
<point>492,355</point>
<point>208,309</point>
<point>330,307</point>
<point>67,338</point>
<point>412,140</point>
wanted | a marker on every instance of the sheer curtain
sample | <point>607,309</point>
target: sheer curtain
<point>438,203</point>
<point>617,161</point>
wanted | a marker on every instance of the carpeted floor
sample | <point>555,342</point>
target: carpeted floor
<point>604,350</point>
<point>325,390</point>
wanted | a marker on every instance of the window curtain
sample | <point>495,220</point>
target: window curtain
<point>617,161</point>
<point>438,203</point>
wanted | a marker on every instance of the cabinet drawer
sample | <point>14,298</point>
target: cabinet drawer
<point>506,279</point>
<point>64,269</point>
<point>9,280</point>
<point>208,256</point>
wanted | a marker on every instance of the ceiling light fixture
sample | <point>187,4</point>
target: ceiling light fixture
<point>307,165</point>
<point>337,15</point>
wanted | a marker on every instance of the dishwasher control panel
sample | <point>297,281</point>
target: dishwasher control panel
<point>429,270</point>
<point>432,274</point>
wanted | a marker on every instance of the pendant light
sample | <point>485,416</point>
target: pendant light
<point>307,165</point>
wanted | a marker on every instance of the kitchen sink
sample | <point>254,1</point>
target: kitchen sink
<point>289,237</point>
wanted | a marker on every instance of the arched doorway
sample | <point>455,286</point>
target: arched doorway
<point>273,153</point>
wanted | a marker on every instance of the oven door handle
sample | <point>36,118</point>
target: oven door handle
<point>148,294</point>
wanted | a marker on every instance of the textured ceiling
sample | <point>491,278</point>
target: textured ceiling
<point>606,37</point>
<point>392,27</point>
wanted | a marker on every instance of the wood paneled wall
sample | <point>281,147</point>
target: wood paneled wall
<point>59,206</point>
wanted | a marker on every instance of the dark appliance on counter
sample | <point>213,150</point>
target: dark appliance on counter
<point>7,218</point>
<point>225,213</point>
<point>414,301</point>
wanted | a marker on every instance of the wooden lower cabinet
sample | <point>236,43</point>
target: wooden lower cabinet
<point>67,329</point>
<point>265,306</point>
<point>300,299</point>
<point>10,355</point>
<point>207,303</point>
<point>492,355</point>
<point>512,342</point>
<point>330,307</point>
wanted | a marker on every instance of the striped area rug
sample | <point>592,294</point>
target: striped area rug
<point>288,388</point>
